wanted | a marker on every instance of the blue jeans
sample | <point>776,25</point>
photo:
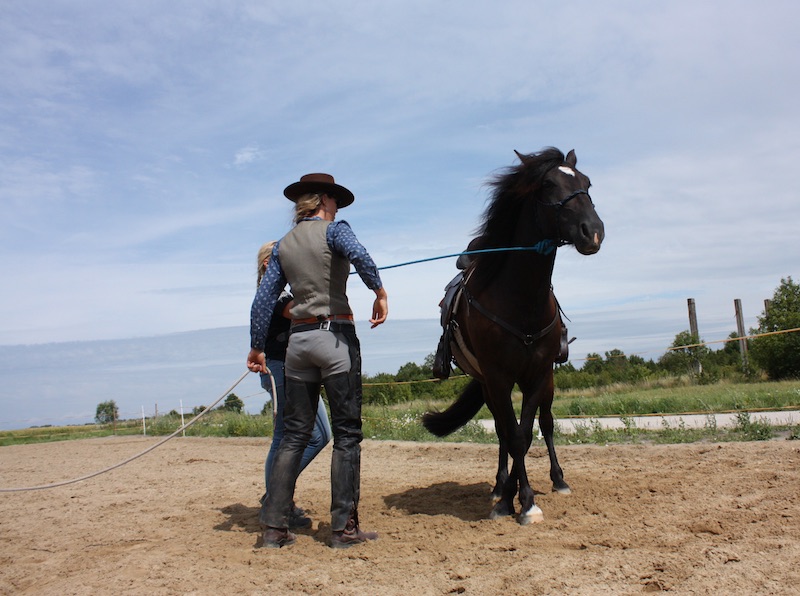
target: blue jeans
<point>320,437</point>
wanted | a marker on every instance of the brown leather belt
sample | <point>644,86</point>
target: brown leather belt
<point>322,319</point>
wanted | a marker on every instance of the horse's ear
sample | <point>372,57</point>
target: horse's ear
<point>572,159</point>
<point>522,158</point>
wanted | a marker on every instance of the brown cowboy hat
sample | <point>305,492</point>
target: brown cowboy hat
<point>319,183</point>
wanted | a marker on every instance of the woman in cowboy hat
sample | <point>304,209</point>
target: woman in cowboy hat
<point>315,258</point>
<point>273,383</point>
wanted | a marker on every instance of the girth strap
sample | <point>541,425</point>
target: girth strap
<point>527,338</point>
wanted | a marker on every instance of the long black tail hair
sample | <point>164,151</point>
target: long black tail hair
<point>458,414</point>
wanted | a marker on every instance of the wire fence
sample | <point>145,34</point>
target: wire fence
<point>701,344</point>
<point>204,411</point>
<point>141,415</point>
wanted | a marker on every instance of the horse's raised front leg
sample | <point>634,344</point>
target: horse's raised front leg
<point>556,473</point>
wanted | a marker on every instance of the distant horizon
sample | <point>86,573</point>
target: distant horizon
<point>192,367</point>
<point>600,329</point>
<point>188,367</point>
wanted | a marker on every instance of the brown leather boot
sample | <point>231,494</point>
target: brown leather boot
<point>298,520</point>
<point>278,537</point>
<point>351,536</point>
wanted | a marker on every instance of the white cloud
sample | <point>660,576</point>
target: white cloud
<point>247,155</point>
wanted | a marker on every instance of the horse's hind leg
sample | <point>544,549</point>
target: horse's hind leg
<point>502,470</point>
<point>504,505</point>
<point>505,424</point>
<point>556,473</point>
<point>529,512</point>
<point>506,488</point>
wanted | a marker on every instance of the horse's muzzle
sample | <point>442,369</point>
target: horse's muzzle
<point>590,237</point>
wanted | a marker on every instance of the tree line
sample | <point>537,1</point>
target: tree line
<point>771,357</point>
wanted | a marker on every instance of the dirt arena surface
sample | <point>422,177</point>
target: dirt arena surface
<point>183,519</point>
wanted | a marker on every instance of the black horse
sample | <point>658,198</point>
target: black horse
<point>506,323</point>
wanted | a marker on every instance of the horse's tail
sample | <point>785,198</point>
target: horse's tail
<point>457,415</point>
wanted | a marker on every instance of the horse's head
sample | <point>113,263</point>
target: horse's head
<point>565,211</point>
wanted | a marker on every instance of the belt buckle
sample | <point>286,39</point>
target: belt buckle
<point>325,325</point>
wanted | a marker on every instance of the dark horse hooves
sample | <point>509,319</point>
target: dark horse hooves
<point>562,488</point>
<point>501,509</point>
<point>533,515</point>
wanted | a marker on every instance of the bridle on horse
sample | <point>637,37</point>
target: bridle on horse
<point>569,197</point>
<point>558,205</point>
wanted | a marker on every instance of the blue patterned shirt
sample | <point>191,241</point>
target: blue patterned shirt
<point>341,240</point>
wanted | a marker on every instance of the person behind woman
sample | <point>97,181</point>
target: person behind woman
<point>277,338</point>
<point>315,257</point>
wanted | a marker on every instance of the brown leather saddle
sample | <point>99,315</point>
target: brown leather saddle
<point>452,344</point>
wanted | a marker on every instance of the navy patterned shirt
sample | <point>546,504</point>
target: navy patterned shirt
<point>341,240</point>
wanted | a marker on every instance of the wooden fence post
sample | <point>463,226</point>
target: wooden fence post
<point>693,319</point>
<point>737,304</point>
<point>698,366</point>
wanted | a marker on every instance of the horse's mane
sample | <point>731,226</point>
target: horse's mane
<point>512,188</point>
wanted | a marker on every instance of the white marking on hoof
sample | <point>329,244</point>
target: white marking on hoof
<point>567,171</point>
<point>533,515</point>
<point>563,491</point>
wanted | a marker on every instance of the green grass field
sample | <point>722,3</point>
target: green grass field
<point>401,421</point>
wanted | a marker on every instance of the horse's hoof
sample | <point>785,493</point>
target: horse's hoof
<point>562,490</point>
<point>499,511</point>
<point>533,515</point>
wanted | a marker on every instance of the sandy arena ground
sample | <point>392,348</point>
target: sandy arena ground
<point>688,519</point>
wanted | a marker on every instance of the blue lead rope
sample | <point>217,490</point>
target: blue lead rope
<point>543,247</point>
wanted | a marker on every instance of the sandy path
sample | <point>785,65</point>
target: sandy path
<point>691,519</point>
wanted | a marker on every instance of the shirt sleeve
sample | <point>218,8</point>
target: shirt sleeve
<point>266,298</point>
<point>342,240</point>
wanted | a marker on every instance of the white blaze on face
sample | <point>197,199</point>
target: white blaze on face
<point>567,170</point>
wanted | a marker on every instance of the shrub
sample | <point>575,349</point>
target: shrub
<point>779,354</point>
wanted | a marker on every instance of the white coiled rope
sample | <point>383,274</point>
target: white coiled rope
<point>149,449</point>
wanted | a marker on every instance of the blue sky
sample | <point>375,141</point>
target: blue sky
<point>144,147</point>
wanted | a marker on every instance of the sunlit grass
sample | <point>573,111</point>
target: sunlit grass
<point>681,398</point>
<point>401,422</point>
